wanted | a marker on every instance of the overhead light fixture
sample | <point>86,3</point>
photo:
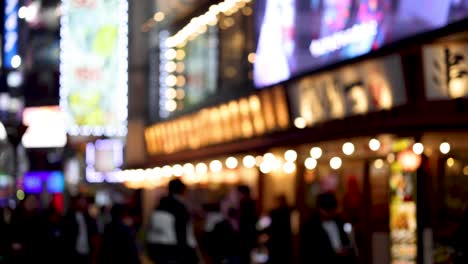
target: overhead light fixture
<point>374,144</point>
<point>445,148</point>
<point>310,163</point>
<point>418,148</point>
<point>336,163</point>
<point>316,153</point>
<point>290,155</point>
<point>348,148</point>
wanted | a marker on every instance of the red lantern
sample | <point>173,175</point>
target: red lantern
<point>408,160</point>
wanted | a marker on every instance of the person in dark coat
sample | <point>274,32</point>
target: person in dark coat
<point>247,223</point>
<point>80,234</point>
<point>28,231</point>
<point>280,233</point>
<point>170,237</point>
<point>118,243</point>
<point>323,239</point>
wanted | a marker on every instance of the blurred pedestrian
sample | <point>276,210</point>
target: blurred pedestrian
<point>5,234</point>
<point>170,237</point>
<point>222,238</point>
<point>247,223</point>
<point>28,232</point>
<point>323,237</point>
<point>80,234</point>
<point>280,233</point>
<point>118,242</point>
<point>53,240</point>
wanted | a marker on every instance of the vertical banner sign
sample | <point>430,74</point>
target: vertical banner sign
<point>94,67</point>
<point>10,47</point>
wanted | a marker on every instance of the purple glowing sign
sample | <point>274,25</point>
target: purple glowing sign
<point>37,181</point>
<point>103,161</point>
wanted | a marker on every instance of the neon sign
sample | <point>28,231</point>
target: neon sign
<point>10,45</point>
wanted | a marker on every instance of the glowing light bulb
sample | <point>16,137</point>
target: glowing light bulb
<point>310,163</point>
<point>290,155</point>
<point>249,161</point>
<point>418,148</point>
<point>374,144</point>
<point>348,148</point>
<point>316,153</point>
<point>231,163</point>
<point>444,148</point>
<point>335,163</point>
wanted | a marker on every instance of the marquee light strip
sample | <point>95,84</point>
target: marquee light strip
<point>198,24</point>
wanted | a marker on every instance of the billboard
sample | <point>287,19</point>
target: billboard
<point>94,67</point>
<point>313,34</point>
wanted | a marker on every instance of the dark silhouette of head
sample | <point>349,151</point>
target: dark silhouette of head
<point>177,187</point>
<point>244,192</point>
<point>117,212</point>
<point>79,203</point>
<point>327,205</point>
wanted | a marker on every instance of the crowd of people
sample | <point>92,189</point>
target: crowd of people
<point>232,232</point>
<point>30,234</point>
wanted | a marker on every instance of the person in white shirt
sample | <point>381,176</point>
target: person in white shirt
<point>80,233</point>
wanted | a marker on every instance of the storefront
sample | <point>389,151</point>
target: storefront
<point>385,132</point>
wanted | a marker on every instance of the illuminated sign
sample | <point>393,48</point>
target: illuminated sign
<point>314,34</point>
<point>10,45</point>
<point>446,71</point>
<point>36,182</point>
<point>358,89</point>
<point>46,127</point>
<point>104,158</point>
<point>94,67</point>
<point>256,115</point>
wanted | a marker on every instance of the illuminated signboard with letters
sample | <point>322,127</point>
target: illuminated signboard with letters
<point>46,127</point>
<point>314,34</point>
<point>94,67</point>
<point>10,45</point>
<point>371,86</point>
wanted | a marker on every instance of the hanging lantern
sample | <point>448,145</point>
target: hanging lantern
<point>408,160</point>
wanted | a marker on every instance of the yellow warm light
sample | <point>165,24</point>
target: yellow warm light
<point>444,148</point>
<point>336,163</point>
<point>249,161</point>
<point>170,54</point>
<point>316,153</point>
<point>180,94</point>
<point>231,163</point>
<point>198,24</point>
<point>450,162</point>
<point>180,81</point>
<point>170,66</point>
<point>171,80</point>
<point>290,155</point>
<point>418,148</point>
<point>171,93</point>
<point>159,16</point>
<point>216,166</point>
<point>289,167</point>
<point>178,170</point>
<point>180,54</point>
<point>201,168</point>
<point>251,57</point>
<point>171,105</point>
<point>348,148</point>
<point>374,144</point>
<point>310,163</point>
<point>300,122</point>
<point>180,67</point>
<point>379,163</point>
<point>167,171</point>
